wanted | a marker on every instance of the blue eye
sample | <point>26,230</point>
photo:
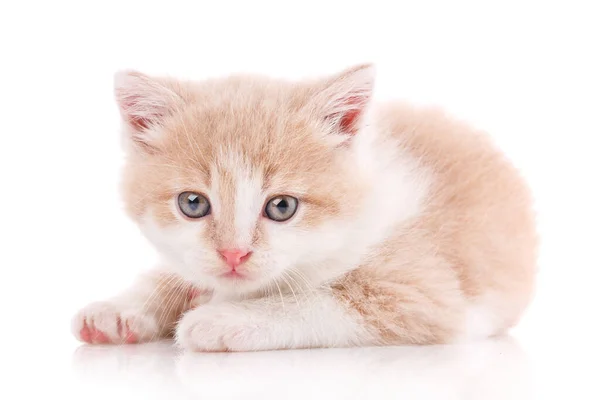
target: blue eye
<point>281,208</point>
<point>193,205</point>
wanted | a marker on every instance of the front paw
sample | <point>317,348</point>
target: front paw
<point>220,327</point>
<point>104,322</point>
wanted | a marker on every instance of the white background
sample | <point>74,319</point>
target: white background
<point>527,72</point>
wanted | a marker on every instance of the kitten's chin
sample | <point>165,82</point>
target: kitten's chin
<point>229,285</point>
<point>233,274</point>
<point>236,283</point>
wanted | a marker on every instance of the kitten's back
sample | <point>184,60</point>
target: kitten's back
<point>469,259</point>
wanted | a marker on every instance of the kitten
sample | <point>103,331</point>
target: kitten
<point>301,214</point>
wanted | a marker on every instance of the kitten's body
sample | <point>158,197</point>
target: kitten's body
<point>412,227</point>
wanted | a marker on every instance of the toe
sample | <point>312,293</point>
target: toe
<point>131,338</point>
<point>85,334</point>
<point>99,337</point>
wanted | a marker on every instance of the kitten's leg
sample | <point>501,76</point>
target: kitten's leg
<point>361,309</point>
<point>313,320</point>
<point>147,311</point>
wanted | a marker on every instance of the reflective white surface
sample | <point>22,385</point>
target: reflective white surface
<point>495,369</point>
<point>536,367</point>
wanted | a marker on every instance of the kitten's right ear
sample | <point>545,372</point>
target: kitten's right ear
<point>144,102</point>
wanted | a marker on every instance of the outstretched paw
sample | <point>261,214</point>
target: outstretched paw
<point>220,327</point>
<point>103,323</point>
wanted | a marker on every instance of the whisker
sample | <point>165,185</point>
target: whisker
<point>291,289</point>
<point>280,294</point>
<point>173,297</point>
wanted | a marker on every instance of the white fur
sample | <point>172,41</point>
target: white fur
<point>271,323</point>
<point>480,322</point>
<point>178,246</point>
<point>488,315</point>
<point>483,317</point>
<point>249,200</point>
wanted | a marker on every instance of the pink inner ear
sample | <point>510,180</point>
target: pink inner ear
<point>354,107</point>
<point>139,123</point>
<point>129,106</point>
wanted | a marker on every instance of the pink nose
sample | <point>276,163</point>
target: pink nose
<point>235,257</point>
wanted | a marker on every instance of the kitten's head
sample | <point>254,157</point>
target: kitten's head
<point>242,181</point>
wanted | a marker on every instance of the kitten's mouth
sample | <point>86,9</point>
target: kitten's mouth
<point>233,274</point>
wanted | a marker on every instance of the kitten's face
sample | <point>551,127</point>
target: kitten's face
<point>243,182</point>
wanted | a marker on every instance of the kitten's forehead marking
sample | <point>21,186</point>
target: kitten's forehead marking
<point>247,205</point>
<point>238,187</point>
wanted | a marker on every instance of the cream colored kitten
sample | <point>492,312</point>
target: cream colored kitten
<point>300,214</point>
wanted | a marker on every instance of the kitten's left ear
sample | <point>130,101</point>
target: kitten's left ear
<point>343,99</point>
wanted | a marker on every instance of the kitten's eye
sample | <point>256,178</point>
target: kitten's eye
<point>193,205</point>
<point>281,208</point>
